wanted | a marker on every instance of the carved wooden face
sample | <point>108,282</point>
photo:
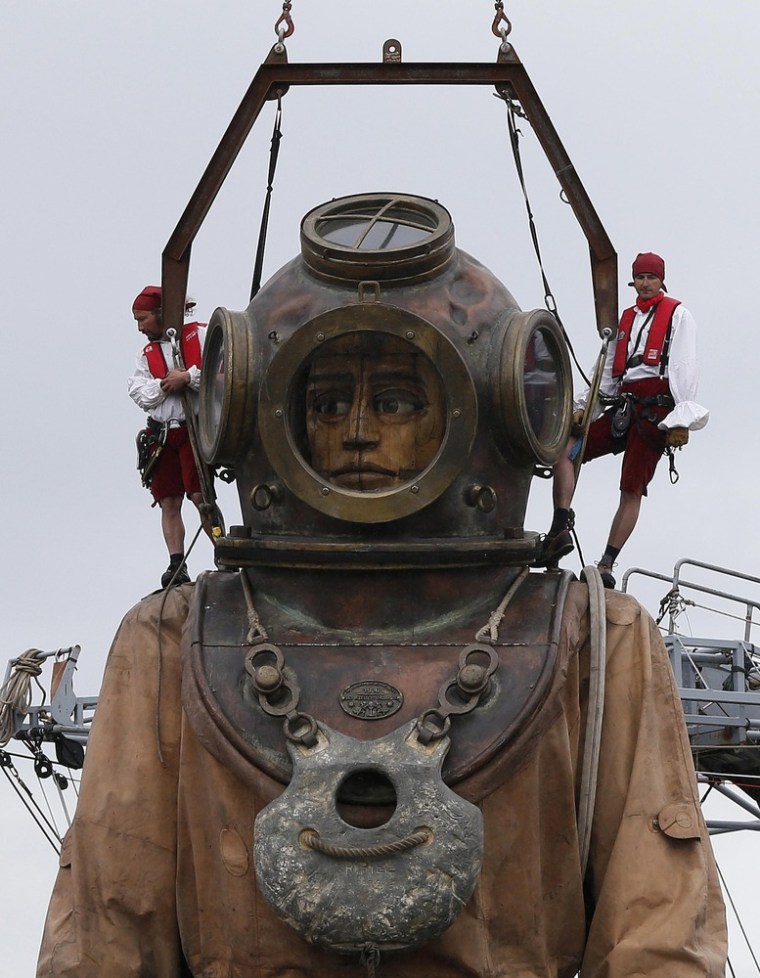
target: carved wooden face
<point>375,412</point>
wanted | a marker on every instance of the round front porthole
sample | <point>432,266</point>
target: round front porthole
<point>533,389</point>
<point>367,413</point>
<point>380,237</point>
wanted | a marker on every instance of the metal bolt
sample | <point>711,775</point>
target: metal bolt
<point>267,678</point>
<point>472,678</point>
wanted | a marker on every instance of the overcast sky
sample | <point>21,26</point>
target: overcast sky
<point>110,113</point>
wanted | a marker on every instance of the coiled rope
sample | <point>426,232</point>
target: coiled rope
<point>15,695</point>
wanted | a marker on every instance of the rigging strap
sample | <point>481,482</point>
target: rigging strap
<point>513,109</point>
<point>273,154</point>
<point>594,719</point>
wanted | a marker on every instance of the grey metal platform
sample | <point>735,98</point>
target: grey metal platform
<point>718,679</point>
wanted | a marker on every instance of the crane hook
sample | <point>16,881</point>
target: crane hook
<point>284,26</point>
<point>499,29</point>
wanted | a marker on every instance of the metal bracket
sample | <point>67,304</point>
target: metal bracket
<point>274,78</point>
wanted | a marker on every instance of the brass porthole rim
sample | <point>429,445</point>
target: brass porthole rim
<point>348,504</point>
<point>512,409</point>
<point>407,262</point>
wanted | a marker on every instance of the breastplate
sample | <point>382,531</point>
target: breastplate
<point>361,685</point>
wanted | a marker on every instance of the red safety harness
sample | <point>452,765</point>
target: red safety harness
<point>658,339</point>
<point>189,344</point>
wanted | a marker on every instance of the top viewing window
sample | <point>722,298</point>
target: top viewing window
<point>378,236</point>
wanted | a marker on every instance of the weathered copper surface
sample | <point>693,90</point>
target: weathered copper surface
<point>465,320</point>
<point>406,898</point>
<point>341,633</point>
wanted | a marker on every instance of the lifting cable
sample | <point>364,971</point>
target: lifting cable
<point>738,920</point>
<point>283,27</point>
<point>501,27</point>
<point>47,828</point>
<point>160,657</point>
<point>513,110</point>
<point>273,155</point>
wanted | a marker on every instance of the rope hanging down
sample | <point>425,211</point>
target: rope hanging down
<point>274,152</point>
<point>514,109</point>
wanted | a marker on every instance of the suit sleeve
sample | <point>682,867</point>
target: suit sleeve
<point>113,909</point>
<point>655,903</point>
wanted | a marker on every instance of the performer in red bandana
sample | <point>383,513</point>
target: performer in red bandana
<point>647,405</point>
<point>165,455</point>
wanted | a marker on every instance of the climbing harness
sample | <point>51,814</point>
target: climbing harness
<point>150,443</point>
<point>621,414</point>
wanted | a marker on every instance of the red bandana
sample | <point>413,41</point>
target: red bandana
<point>644,305</point>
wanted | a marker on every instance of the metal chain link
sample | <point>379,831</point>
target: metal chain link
<point>278,694</point>
<point>460,695</point>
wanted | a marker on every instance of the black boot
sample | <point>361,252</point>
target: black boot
<point>558,542</point>
<point>176,572</point>
<point>605,567</point>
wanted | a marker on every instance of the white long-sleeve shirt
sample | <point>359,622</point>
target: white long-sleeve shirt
<point>680,372</point>
<point>145,389</point>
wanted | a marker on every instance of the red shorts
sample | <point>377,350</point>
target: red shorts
<point>643,444</point>
<point>175,473</point>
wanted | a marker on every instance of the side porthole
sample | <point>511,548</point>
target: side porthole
<point>227,406</point>
<point>533,388</point>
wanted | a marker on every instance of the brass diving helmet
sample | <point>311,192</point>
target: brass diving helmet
<point>383,395</point>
